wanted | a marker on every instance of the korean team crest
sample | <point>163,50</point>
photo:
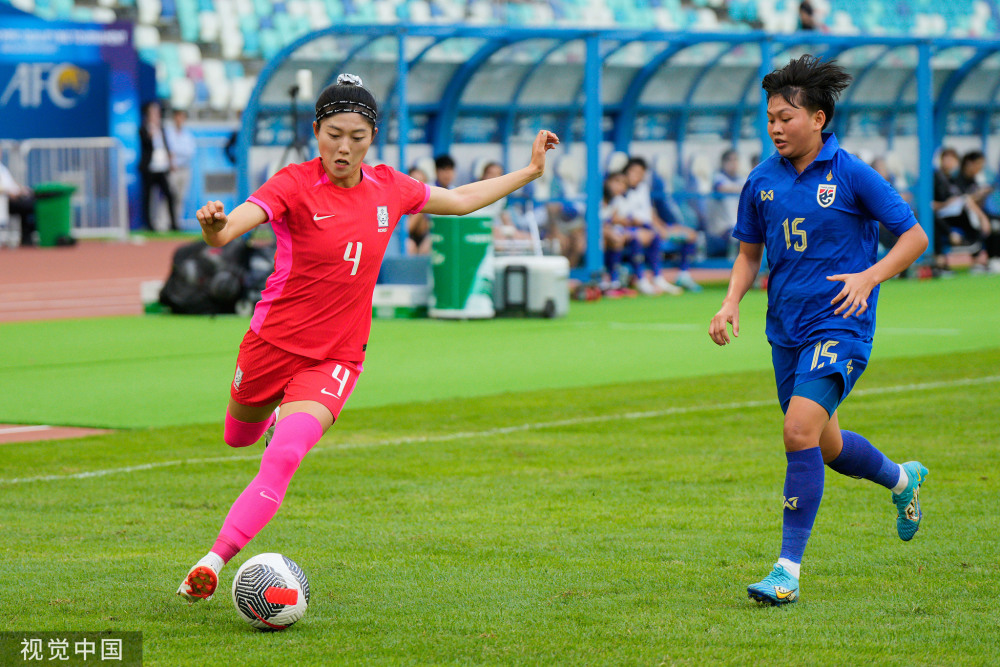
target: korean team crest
<point>383,217</point>
<point>826,194</point>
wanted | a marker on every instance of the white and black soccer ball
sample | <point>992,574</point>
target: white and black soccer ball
<point>270,592</point>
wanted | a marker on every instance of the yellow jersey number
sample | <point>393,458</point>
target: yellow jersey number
<point>793,230</point>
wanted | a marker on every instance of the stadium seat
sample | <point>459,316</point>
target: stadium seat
<point>615,162</point>
<point>147,42</point>
<point>480,13</point>
<point>232,44</point>
<point>319,17</point>
<point>209,26</point>
<point>419,10</point>
<point>148,11</point>
<point>217,83</point>
<point>242,87</point>
<point>270,43</point>
<point>182,93</point>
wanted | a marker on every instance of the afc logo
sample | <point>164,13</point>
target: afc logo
<point>64,83</point>
<point>825,194</point>
<point>383,218</point>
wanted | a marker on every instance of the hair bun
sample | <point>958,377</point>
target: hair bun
<point>348,80</point>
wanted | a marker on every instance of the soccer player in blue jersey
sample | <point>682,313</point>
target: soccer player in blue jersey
<point>815,208</point>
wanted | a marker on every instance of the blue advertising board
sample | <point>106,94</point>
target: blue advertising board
<point>61,79</point>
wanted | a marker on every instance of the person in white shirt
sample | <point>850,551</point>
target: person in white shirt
<point>20,202</point>
<point>727,184</point>
<point>183,148</point>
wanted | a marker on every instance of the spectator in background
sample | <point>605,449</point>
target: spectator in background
<point>504,229</point>
<point>956,212</point>
<point>20,202</point>
<point>154,163</point>
<point>614,231</point>
<point>807,17</point>
<point>887,239</point>
<point>970,171</point>
<point>444,166</point>
<point>727,184</point>
<point>183,148</point>
<point>969,181</point>
<point>640,211</point>
<point>418,225</point>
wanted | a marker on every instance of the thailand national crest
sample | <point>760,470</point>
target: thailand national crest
<point>383,217</point>
<point>825,194</point>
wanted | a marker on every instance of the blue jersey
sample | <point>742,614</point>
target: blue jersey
<point>819,223</point>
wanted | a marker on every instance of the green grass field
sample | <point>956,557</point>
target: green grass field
<point>597,490</point>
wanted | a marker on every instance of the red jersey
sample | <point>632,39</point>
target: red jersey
<point>331,240</point>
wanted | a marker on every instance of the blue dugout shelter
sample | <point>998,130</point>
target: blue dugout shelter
<point>680,96</point>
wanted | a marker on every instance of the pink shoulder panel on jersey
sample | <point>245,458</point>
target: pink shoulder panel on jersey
<point>267,209</point>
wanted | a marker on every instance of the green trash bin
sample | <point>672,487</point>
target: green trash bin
<point>53,212</point>
<point>462,267</point>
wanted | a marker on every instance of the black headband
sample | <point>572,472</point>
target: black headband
<point>345,106</point>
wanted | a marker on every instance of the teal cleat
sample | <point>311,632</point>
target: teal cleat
<point>908,502</point>
<point>779,587</point>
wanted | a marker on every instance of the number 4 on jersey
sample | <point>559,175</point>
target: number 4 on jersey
<point>356,259</point>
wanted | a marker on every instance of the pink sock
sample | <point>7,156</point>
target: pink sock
<point>244,434</point>
<point>293,437</point>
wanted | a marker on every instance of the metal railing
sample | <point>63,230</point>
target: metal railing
<point>96,166</point>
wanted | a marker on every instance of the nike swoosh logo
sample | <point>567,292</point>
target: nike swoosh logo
<point>267,497</point>
<point>324,391</point>
<point>317,217</point>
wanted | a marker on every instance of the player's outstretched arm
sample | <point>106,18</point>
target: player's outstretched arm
<point>858,286</point>
<point>745,270</point>
<point>218,228</point>
<point>473,196</point>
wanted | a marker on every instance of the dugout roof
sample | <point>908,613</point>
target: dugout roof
<point>444,84</point>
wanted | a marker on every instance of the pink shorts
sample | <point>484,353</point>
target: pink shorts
<point>266,373</point>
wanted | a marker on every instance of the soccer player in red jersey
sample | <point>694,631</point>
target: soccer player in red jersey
<point>333,217</point>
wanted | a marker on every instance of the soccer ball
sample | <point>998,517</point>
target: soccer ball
<point>270,592</point>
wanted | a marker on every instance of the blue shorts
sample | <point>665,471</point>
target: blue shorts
<point>841,361</point>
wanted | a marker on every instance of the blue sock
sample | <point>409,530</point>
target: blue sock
<point>803,492</point>
<point>634,250</point>
<point>687,252</point>
<point>654,254</point>
<point>860,459</point>
<point>612,262</point>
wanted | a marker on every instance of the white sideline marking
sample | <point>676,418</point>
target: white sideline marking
<point>503,430</point>
<point>919,332</point>
<point>23,429</point>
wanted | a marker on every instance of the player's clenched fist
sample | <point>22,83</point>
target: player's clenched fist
<point>212,216</point>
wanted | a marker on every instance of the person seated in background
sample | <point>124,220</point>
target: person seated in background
<point>20,202</point>
<point>886,239</point>
<point>968,178</point>
<point>444,171</point>
<point>957,212</point>
<point>418,225</point>
<point>651,229</point>
<point>727,184</point>
<point>504,230</point>
<point>970,181</point>
<point>566,228</point>
<point>614,232</point>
